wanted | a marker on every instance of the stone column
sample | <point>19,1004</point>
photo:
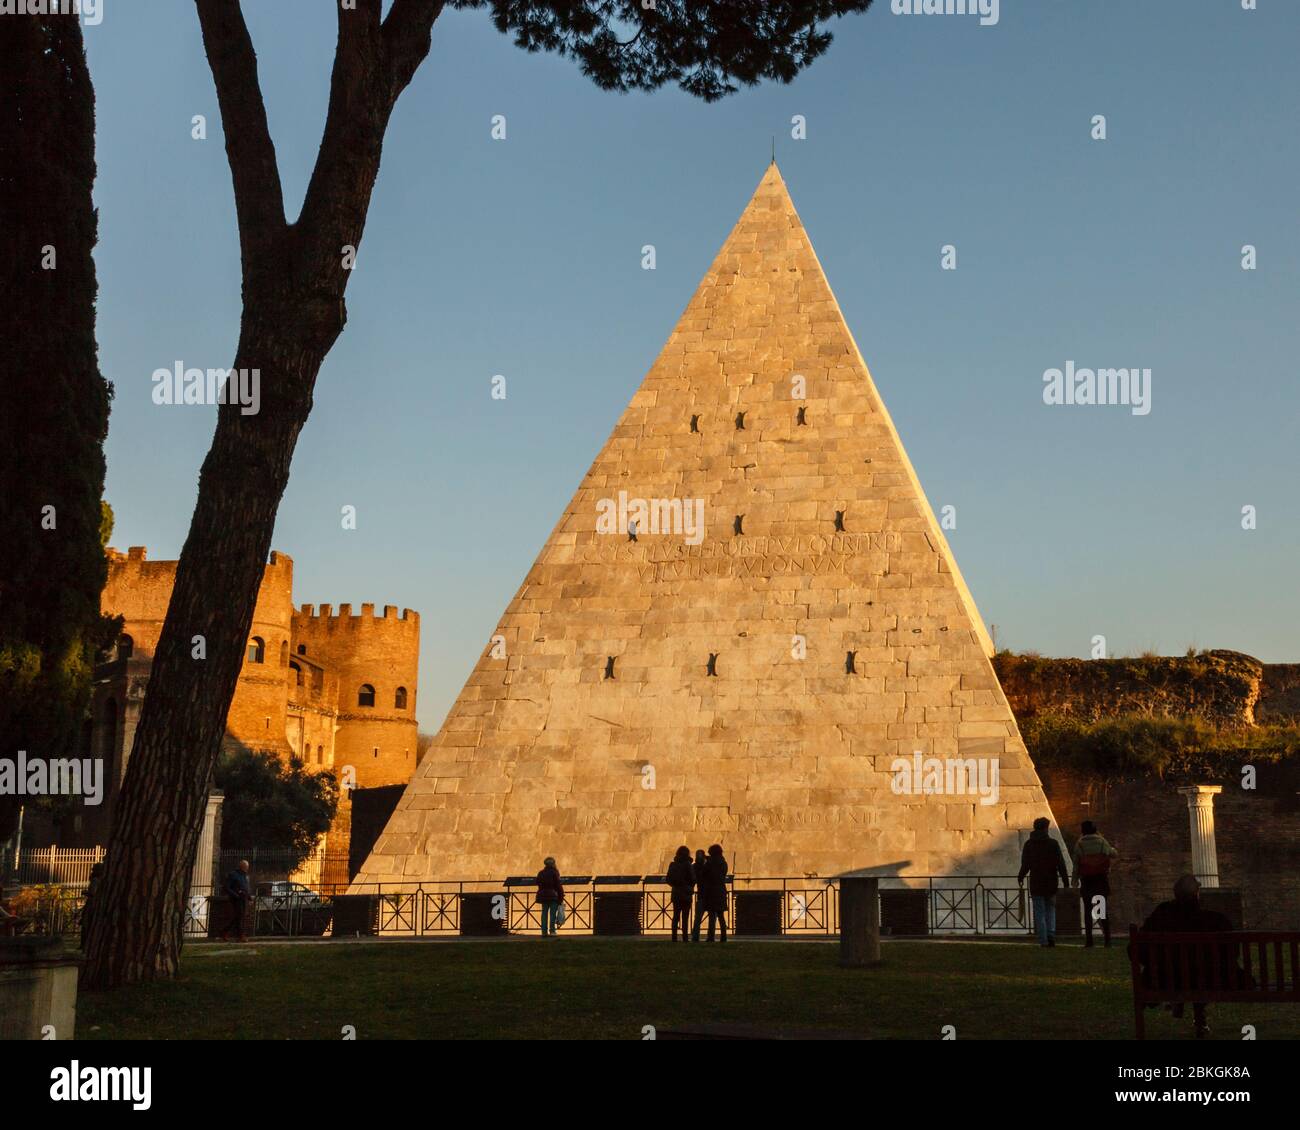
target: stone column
<point>203,877</point>
<point>205,857</point>
<point>1200,811</point>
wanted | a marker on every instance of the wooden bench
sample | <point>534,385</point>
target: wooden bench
<point>1242,966</point>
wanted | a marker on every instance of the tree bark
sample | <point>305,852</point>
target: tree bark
<point>293,311</point>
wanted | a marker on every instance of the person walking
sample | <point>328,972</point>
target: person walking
<point>1092,856</point>
<point>239,893</point>
<point>713,890</point>
<point>681,878</point>
<point>697,869</point>
<point>1042,861</point>
<point>550,895</point>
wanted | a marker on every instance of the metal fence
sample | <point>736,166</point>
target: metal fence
<point>791,907</point>
<point>68,867</point>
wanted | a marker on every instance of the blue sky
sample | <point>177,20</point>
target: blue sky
<point>522,257</point>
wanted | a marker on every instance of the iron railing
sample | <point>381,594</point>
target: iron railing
<point>790,906</point>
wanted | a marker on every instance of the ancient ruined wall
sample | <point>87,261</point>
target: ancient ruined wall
<point>381,651</point>
<point>1257,834</point>
<point>1279,693</point>
<point>1223,687</point>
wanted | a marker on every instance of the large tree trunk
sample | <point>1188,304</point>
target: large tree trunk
<point>294,281</point>
<point>137,930</point>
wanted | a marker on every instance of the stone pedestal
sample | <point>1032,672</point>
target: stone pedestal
<point>1200,811</point>
<point>38,989</point>
<point>859,922</point>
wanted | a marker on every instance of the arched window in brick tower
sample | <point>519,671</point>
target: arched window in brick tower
<point>284,652</point>
<point>297,673</point>
<point>256,650</point>
<point>302,649</point>
<point>366,695</point>
<point>399,699</point>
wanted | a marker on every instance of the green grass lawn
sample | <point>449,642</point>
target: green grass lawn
<point>608,988</point>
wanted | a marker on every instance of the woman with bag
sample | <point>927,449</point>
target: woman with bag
<point>1092,856</point>
<point>550,896</point>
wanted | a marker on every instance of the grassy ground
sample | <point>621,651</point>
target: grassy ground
<point>598,988</point>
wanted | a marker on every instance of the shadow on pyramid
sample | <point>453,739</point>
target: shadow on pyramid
<point>746,628</point>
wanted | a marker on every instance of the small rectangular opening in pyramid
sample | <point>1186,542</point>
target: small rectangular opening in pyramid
<point>804,679</point>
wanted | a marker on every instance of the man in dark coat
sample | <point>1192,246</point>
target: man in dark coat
<point>681,878</point>
<point>1042,861</point>
<point>713,890</point>
<point>1185,915</point>
<point>239,893</point>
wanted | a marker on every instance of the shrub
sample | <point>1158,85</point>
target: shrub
<point>1143,746</point>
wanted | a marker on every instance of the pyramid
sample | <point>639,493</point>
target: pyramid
<point>649,687</point>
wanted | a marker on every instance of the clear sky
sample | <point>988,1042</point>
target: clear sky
<point>523,257</point>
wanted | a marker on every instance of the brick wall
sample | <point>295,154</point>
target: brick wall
<point>1257,835</point>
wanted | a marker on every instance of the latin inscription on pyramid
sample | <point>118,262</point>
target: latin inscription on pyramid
<point>804,680</point>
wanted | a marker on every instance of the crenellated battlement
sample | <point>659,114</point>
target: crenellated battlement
<point>137,557</point>
<point>309,614</point>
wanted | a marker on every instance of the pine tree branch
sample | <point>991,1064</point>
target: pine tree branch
<point>259,199</point>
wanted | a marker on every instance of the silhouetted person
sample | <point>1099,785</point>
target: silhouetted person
<point>238,892</point>
<point>550,895</point>
<point>1185,915</point>
<point>681,878</point>
<point>1042,861</point>
<point>89,905</point>
<point>1092,856</point>
<point>713,890</point>
<point>697,869</point>
<point>9,922</point>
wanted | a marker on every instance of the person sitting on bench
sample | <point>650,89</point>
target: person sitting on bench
<point>1185,915</point>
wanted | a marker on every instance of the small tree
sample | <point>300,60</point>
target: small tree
<point>274,806</point>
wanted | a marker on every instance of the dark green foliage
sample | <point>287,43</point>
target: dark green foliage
<point>274,807</point>
<point>1144,746</point>
<point>54,403</point>
<point>708,47</point>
